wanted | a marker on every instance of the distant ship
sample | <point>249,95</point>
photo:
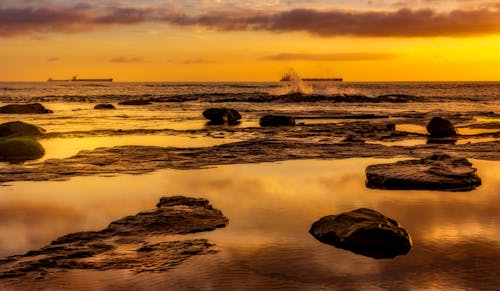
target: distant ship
<point>76,79</point>
<point>58,80</point>
<point>289,77</point>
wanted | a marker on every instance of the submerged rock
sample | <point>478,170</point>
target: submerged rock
<point>277,120</point>
<point>135,102</point>
<point>438,172</point>
<point>133,242</point>
<point>440,127</point>
<point>222,115</point>
<point>19,128</point>
<point>16,150</point>
<point>365,232</point>
<point>104,106</point>
<point>34,108</point>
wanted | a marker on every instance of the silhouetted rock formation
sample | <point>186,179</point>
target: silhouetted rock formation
<point>440,127</point>
<point>135,102</point>
<point>127,243</point>
<point>222,115</point>
<point>104,106</point>
<point>16,150</point>
<point>438,172</point>
<point>277,120</point>
<point>19,128</point>
<point>365,232</point>
<point>34,108</point>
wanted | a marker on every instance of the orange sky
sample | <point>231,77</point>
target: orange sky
<point>202,40</point>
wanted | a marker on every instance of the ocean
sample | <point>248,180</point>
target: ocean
<point>271,183</point>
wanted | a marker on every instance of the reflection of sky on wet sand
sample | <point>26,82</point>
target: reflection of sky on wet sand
<point>266,244</point>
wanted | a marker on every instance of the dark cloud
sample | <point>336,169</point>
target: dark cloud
<point>126,60</point>
<point>400,23</point>
<point>53,59</point>
<point>329,57</point>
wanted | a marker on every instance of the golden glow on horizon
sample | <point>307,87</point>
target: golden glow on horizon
<point>191,54</point>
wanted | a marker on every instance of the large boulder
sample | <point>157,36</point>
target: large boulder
<point>135,102</point>
<point>19,128</point>
<point>222,115</point>
<point>104,106</point>
<point>365,232</point>
<point>438,172</point>
<point>440,127</point>
<point>34,108</point>
<point>16,150</point>
<point>277,120</point>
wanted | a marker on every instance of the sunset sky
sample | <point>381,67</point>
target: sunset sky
<point>230,40</point>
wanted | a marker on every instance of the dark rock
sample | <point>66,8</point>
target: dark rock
<point>135,102</point>
<point>449,140</point>
<point>19,128</point>
<point>16,150</point>
<point>34,108</point>
<point>277,120</point>
<point>438,172</point>
<point>104,106</point>
<point>113,247</point>
<point>222,115</point>
<point>365,232</point>
<point>440,127</point>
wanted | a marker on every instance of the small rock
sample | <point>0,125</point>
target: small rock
<point>16,150</point>
<point>35,108</point>
<point>438,172</point>
<point>222,115</point>
<point>104,106</point>
<point>365,232</point>
<point>277,120</point>
<point>440,127</point>
<point>19,128</point>
<point>135,102</point>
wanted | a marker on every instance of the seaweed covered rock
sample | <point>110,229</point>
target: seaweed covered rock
<point>19,149</point>
<point>222,115</point>
<point>437,172</point>
<point>104,106</point>
<point>34,108</point>
<point>19,128</point>
<point>365,232</point>
<point>138,243</point>
<point>135,102</point>
<point>277,120</point>
<point>440,127</point>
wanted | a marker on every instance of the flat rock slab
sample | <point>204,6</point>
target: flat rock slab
<point>138,243</point>
<point>365,232</point>
<point>438,172</point>
<point>135,102</point>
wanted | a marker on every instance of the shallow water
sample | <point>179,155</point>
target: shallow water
<point>266,245</point>
<point>270,206</point>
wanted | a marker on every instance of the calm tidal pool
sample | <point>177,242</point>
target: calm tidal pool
<point>266,245</point>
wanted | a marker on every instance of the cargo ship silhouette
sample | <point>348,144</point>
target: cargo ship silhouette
<point>76,79</point>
